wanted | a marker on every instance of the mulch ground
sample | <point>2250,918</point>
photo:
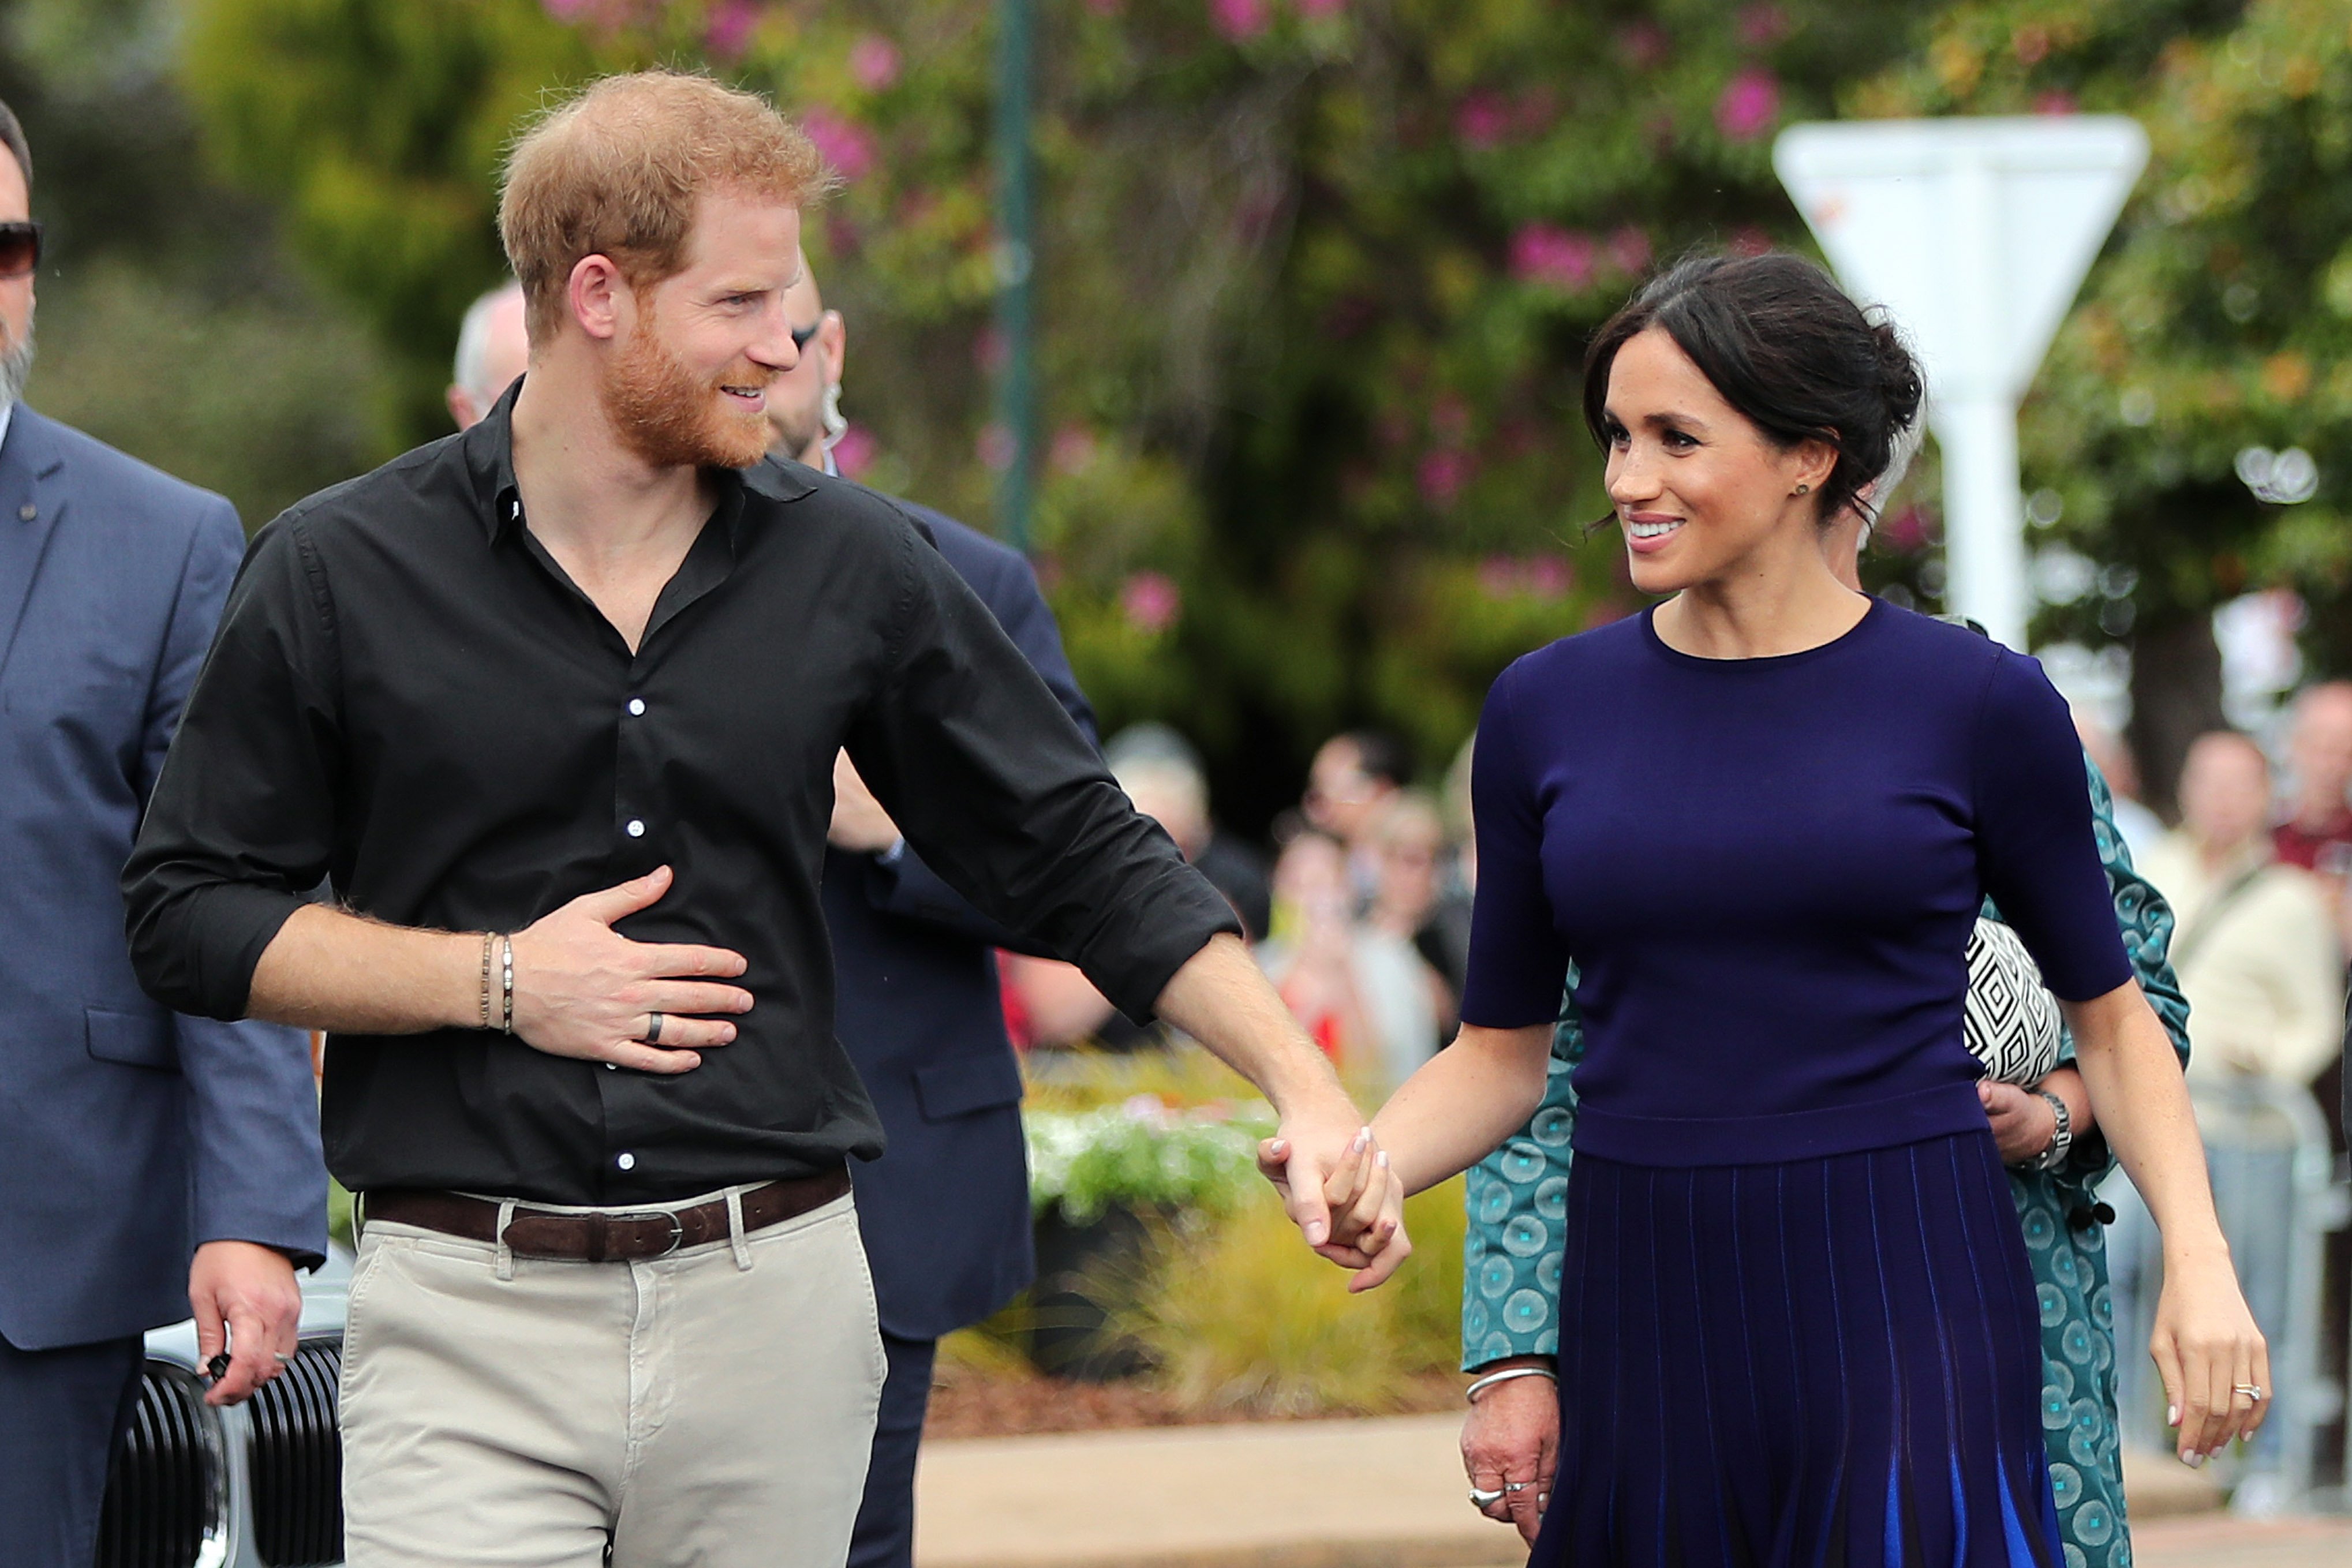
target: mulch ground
<point>971,1403</point>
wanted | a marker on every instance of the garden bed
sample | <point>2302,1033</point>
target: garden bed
<point>967,1403</point>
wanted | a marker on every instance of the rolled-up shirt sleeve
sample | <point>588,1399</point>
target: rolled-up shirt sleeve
<point>241,823</point>
<point>991,781</point>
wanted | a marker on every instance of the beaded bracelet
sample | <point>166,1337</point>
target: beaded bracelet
<point>1509,1372</point>
<point>489,940</point>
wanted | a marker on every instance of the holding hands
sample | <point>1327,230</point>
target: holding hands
<point>1343,1197</point>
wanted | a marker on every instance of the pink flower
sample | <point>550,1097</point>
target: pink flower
<point>1547,576</point>
<point>1498,577</point>
<point>1319,10</point>
<point>988,354</point>
<point>1238,19</point>
<point>847,146</point>
<point>563,10</point>
<point>1073,449</point>
<point>1906,530</point>
<point>1449,417</point>
<point>1643,44</point>
<point>1629,250</point>
<point>729,27</point>
<point>2057,101</point>
<point>1482,121</point>
<point>856,451</point>
<point>995,446</point>
<point>1544,253</point>
<point>1761,26</point>
<point>1750,104</point>
<point>874,62</point>
<point>1441,474</point>
<point>1749,240</point>
<point>1151,601</point>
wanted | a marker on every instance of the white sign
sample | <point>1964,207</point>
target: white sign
<point>1974,234</point>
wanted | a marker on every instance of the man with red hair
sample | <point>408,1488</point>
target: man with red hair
<point>553,705</point>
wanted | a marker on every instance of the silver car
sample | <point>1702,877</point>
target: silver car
<point>258,1485</point>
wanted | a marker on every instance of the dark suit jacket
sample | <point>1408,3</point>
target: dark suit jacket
<point>128,1133</point>
<point>945,1211</point>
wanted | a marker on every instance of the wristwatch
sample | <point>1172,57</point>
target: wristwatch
<point>2061,1141</point>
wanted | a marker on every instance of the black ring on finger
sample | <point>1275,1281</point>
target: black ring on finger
<point>652,1028</point>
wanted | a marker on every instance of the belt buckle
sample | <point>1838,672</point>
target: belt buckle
<point>676,1226</point>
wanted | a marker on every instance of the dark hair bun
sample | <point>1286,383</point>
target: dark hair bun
<point>1784,345</point>
<point>1899,381</point>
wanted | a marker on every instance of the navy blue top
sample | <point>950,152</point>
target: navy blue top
<point>1766,871</point>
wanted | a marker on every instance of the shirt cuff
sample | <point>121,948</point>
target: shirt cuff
<point>1132,959</point>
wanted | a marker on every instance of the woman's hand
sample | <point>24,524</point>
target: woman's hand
<point>2209,1355</point>
<point>2022,1121</point>
<point>1512,1439</point>
<point>1366,1204</point>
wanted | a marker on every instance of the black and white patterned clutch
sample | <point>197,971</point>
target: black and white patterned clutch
<point>2013,1023</point>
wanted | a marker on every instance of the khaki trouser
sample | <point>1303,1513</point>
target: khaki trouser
<point>713,1407</point>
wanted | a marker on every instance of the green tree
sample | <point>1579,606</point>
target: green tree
<point>168,325</point>
<point>2218,321</point>
<point>1317,278</point>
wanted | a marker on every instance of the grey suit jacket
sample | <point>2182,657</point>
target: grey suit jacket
<point>129,1134</point>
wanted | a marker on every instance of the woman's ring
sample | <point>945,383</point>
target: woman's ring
<point>2253,1390</point>
<point>1480,1498</point>
<point>652,1028</point>
<point>1516,1486</point>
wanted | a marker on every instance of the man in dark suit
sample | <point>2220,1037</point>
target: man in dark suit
<point>148,1162</point>
<point>945,1212</point>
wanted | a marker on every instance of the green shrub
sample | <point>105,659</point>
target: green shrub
<point>1237,1315</point>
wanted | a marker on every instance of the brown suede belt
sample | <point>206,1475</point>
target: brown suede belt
<point>616,1237</point>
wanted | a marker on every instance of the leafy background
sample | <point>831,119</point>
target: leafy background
<point>1315,276</point>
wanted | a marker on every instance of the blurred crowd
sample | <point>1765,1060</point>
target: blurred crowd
<point>1362,917</point>
<point>2258,872</point>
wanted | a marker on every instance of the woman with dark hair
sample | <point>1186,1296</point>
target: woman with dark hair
<point>1799,1325</point>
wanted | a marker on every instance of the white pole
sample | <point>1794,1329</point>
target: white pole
<point>1984,519</point>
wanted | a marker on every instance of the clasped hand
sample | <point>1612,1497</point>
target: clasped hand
<point>583,990</point>
<point>1339,1190</point>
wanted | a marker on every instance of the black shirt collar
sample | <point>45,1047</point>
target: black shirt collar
<point>488,451</point>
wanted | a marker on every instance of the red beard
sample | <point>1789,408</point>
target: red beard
<point>672,420</point>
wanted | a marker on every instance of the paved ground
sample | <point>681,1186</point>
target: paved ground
<point>1366,1494</point>
<point>2222,1542</point>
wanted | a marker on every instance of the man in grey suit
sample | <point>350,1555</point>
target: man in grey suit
<point>149,1162</point>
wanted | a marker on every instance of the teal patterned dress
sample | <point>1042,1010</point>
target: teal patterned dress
<point>1518,1197</point>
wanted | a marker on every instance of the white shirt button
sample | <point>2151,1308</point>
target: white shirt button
<point>626,1162</point>
<point>636,706</point>
<point>636,829</point>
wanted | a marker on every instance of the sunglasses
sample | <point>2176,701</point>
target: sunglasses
<point>802,336</point>
<point>20,249</point>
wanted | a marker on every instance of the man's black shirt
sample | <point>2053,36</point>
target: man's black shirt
<point>410,699</point>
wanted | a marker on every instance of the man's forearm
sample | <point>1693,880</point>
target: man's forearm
<point>1223,1000</point>
<point>329,970</point>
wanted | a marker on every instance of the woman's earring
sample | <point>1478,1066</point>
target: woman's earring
<point>1803,489</point>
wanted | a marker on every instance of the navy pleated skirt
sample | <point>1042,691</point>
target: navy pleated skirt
<point>1823,1364</point>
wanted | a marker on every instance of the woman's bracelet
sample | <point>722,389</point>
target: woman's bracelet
<point>506,1008</point>
<point>1509,1372</point>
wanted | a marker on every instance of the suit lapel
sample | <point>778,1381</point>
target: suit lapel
<point>31,480</point>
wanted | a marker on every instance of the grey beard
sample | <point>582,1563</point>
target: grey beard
<point>16,366</point>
